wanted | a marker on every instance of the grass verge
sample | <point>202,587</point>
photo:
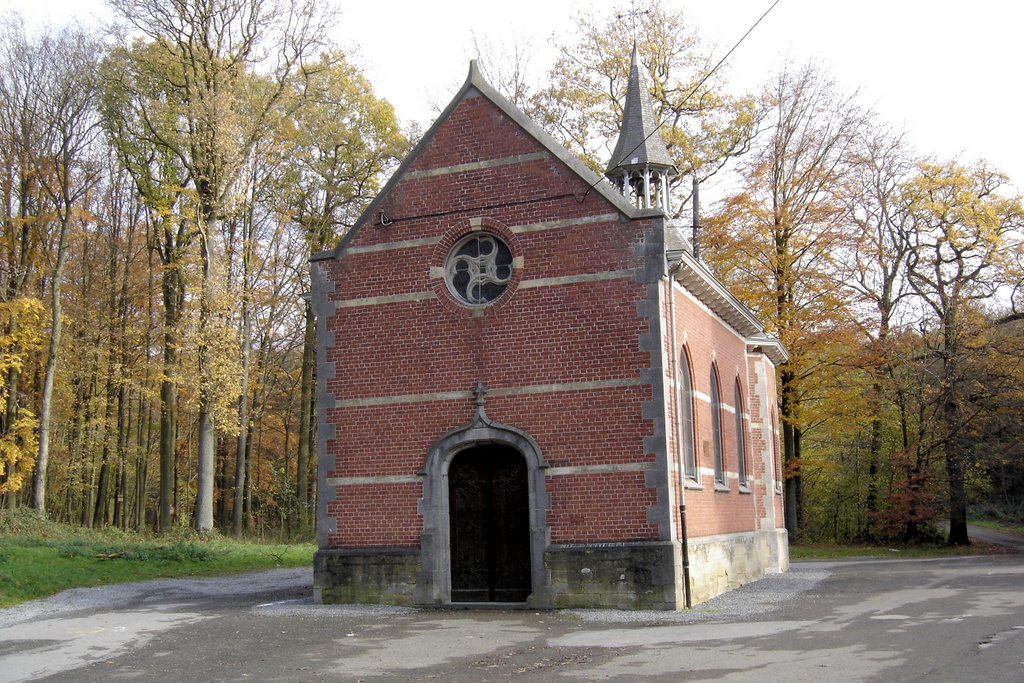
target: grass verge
<point>825,551</point>
<point>39,558</point>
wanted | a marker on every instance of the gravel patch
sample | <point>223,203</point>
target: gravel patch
<point>752,602</point>
<point>120,595</point>
<point>306,607</point>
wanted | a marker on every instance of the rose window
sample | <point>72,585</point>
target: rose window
<point>479,268</point>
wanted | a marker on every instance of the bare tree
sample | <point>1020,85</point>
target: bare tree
<point>881,162</point>
<point>582,106</point>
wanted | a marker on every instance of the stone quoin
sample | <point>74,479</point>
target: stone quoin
<point>530,391</point>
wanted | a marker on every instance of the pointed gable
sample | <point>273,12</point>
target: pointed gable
<point>454,143</point>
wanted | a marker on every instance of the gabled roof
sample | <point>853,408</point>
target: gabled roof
<point>639,143</point>
<point>475,81</point>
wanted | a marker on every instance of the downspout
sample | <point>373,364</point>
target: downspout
<point>750,451</point>
<point>678,429</point>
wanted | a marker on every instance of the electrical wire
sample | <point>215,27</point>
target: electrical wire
<point>480,207</point>
<point>580,199</point>
<point>699,83</point>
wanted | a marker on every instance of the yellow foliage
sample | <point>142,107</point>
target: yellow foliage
<point>17,451</point>
<point>22,323</point>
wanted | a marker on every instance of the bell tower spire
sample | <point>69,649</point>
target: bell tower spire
<point>641,167</point>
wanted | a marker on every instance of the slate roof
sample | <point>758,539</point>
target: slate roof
<point>639,142</point>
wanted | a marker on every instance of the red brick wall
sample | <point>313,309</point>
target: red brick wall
<point>708,341</point>
<point>389,354</point>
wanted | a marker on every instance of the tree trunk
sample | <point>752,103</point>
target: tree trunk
<point>305,418</point>
<point>203,519</point>
<point>874,455</point>
<point>243,397</point>
<point>957,445</point>
<point>168,404</point>
<point>222,510</point>
<point>791,456</point>
<point>102,494</point>
<point>142,461</point>
<point>121,483</point>
<point>46,399</point>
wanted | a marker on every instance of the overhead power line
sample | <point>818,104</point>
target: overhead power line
<point>699,83</point>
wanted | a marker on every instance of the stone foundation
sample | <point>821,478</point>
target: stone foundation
<point>612,575</point>
<point>604,575</point>
<point>722,563</point>
<point>379,576</point>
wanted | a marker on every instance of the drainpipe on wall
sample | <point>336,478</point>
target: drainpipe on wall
<point>684,543</point>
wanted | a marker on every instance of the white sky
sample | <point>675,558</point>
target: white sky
<point>948,73</point>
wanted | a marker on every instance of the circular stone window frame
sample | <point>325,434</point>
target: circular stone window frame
<point>443,251</point>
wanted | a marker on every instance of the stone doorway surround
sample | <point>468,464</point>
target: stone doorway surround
<point>433,580</point>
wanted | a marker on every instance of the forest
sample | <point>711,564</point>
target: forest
<point>165,181</point>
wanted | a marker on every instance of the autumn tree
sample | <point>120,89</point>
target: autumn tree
<point>880,163</point>
<point>18,342</point>
<point>66,172</point>
<point>137,105</point>
<point>207,52</point>
<point>964,237</point>
<point>996,491</point>
<point>781,241</point>
<point>582,106</point>
<point>22,252</point>
<point>342,141</point>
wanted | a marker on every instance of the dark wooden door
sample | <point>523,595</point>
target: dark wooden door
<point>490,525</point>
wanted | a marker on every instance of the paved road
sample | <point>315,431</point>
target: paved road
<point>1013,542</point>
<point>958,619</point>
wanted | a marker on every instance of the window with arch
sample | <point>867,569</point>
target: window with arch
<point>716,429</point>
<point>687,447</point>
<point>776,460</point>
<point>741,442</point>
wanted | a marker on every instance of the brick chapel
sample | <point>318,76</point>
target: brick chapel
<point>530,391</point>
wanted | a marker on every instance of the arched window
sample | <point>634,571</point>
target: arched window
<point>716,428</point>
<point>688,450</point>
<point>741,442</point>
<point>776,461</point>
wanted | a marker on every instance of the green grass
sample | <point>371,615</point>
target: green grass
<point>39,558</point>
<point>826,551</point>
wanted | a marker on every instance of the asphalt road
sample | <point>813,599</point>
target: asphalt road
<point>959,619</point>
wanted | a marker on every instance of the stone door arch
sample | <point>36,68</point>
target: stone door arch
<point>434,578</point>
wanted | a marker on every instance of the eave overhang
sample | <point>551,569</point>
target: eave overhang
<point>698,280</point>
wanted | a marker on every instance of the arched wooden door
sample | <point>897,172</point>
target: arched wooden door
<point>488,498</point>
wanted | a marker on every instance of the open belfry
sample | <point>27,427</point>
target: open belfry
<point>530,391</point>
